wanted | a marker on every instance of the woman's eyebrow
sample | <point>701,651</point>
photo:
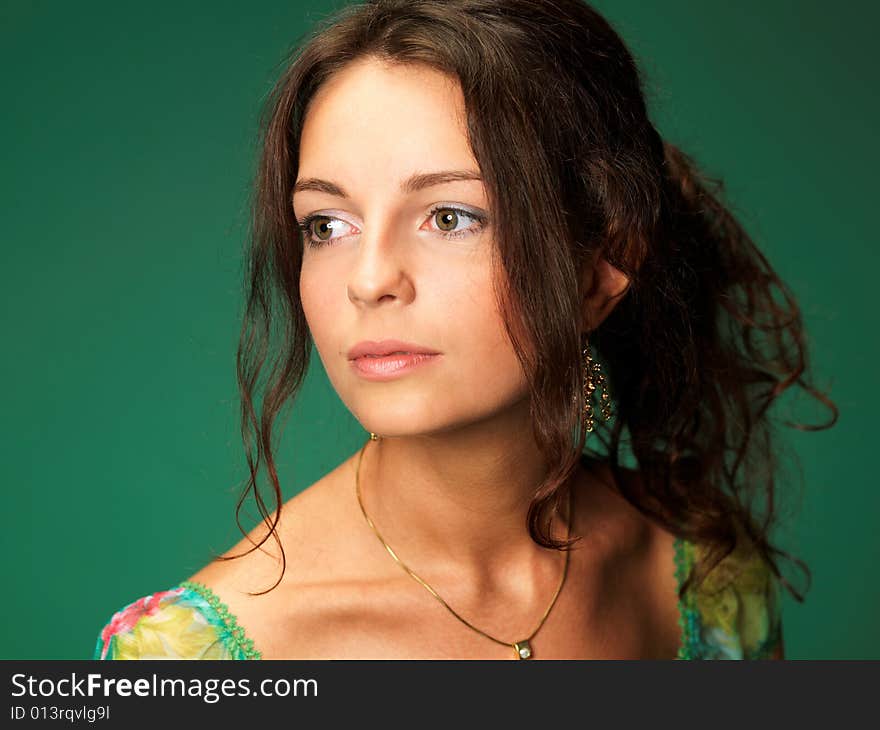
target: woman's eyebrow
<point>415,182</point>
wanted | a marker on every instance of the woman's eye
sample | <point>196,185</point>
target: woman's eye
<point>448,218</point>
<point>322,230</point>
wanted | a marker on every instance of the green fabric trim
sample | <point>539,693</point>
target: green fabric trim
<point>688,614</point>
<point>244,644</point>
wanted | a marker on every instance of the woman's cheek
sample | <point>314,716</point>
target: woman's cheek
<point>320,286</point>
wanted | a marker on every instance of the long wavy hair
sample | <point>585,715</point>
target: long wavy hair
<point>706,338</point>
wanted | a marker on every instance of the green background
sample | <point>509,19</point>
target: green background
<point>128,139</point>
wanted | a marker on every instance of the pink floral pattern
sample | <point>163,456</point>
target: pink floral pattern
<point>127,618</point>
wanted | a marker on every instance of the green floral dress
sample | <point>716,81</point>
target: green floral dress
<point>735,614</point>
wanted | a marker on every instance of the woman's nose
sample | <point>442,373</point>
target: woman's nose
<point>379,269</point>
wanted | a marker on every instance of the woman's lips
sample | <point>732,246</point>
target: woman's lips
<point>388,347</point>
<point>388,367</point>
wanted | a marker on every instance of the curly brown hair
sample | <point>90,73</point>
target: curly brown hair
<point>695,353</point>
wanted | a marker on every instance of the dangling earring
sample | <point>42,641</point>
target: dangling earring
<point>594,378</point>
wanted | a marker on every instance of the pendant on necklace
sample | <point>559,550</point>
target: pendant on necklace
<point>523,649</point>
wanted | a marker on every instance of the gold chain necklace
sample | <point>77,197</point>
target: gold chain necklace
<point>522,649</point>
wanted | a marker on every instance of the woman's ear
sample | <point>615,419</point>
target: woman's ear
<point>603,286</point>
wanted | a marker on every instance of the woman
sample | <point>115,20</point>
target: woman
<point>465,207</point>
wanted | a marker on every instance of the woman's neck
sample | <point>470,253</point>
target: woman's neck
<point>456,502</point>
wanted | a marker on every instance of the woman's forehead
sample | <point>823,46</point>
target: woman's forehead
<point>389,111</point>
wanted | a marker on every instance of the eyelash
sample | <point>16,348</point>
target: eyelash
<point>305,224</point>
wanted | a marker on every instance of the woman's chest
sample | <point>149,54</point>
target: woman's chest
<point>623,610</point>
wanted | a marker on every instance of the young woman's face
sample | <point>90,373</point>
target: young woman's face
<point>386,260</point>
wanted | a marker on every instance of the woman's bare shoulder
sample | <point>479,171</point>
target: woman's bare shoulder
<point>651,543</point>
<point>658,539</point>
<point>314,531</point>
